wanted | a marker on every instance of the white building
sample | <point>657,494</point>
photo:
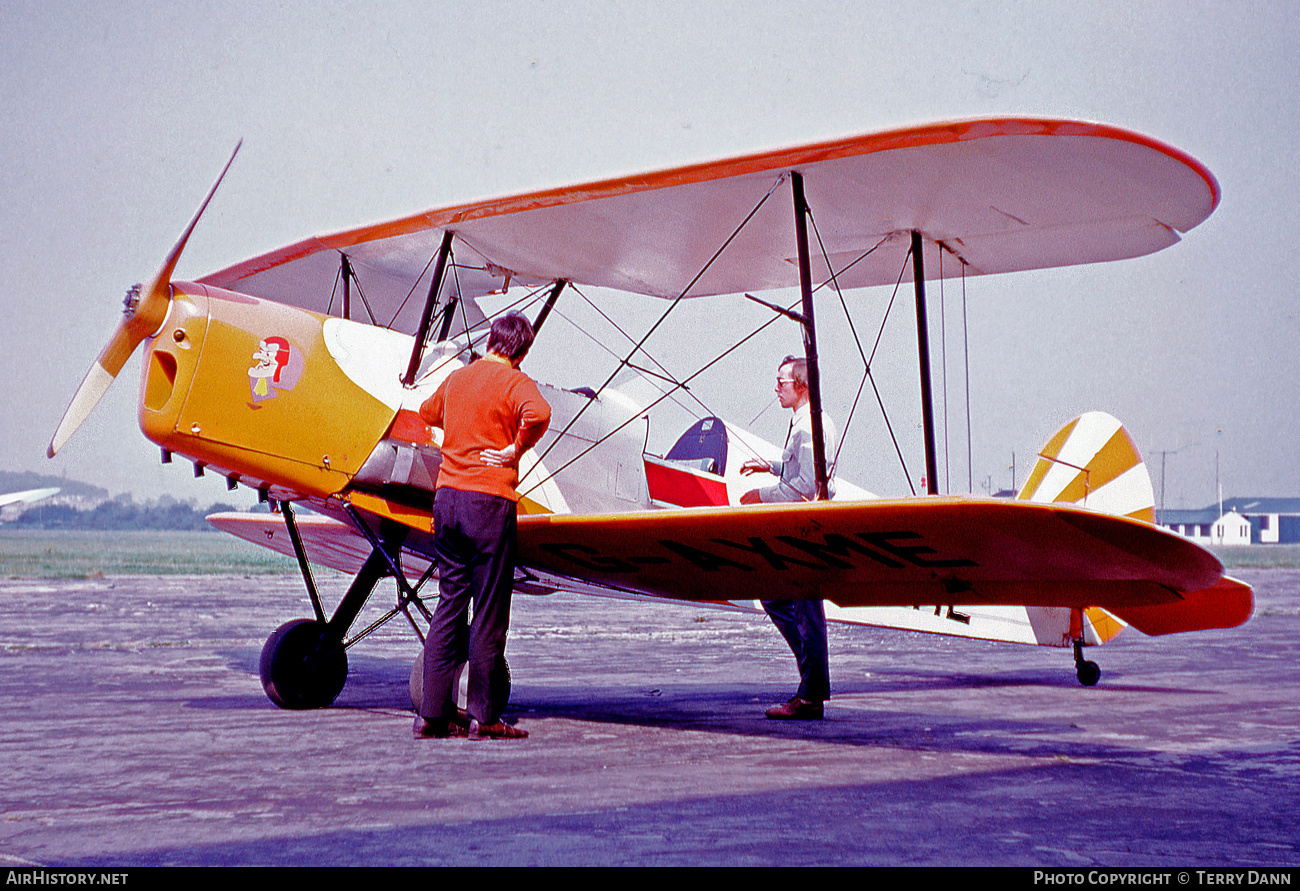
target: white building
<point>1244,521</point>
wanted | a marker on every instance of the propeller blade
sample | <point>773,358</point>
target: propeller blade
<point>93,386</point>
<point>159,287</point>
<point>145,313</point>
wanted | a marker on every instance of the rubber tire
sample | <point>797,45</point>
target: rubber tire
<point>1089,673</point>
<point>287,677</point>
<point>501,678</point>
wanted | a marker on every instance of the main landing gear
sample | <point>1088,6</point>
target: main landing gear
<point>304,663</point>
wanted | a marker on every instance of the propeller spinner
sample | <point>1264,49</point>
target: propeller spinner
<point>145,312</point>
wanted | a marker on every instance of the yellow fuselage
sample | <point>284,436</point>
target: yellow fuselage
<point>250,387</point>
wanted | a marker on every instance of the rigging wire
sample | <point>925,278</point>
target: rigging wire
<point>415,284</point>
<point>556,311</point>
<point>667,375</point>
<point>965,333</point>
<point>338,276</point>
<point>943,351</point>
<point>771,402</point>
<point>682,384</point>
<point>460,299</point>
<point>664,374</point>
<point>484,327</point>
<point>361,292</point>
<point>834,280</point>
<point>879,401</point>
<point>867,361</point>
<point>329,307</point>
<point>678,299</point>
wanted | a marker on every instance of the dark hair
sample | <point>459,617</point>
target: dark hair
<point>512,336</point>
<point>798,371</point>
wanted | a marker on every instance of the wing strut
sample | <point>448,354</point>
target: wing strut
<point>286,511</point>
<point>550,302</point>
<point>347,286</point>
<point>810,335</point>
<point>923,347</point>
<point>426,318</point>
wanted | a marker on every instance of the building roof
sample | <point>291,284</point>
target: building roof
<point>1245,506</point>
<point>1252,506</point>
<point>1201,516</point>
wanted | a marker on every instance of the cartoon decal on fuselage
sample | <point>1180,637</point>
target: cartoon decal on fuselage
<point>277,366</point>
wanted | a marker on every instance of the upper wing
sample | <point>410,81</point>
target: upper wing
<point>951,550</point>
<point>1001,195</point>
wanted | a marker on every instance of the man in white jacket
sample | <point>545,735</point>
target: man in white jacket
<point>801,622</point>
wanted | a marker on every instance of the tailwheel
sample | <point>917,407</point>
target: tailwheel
<point>1087,672</point>
<point>300,668</point>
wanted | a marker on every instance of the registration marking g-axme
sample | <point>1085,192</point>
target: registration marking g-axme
<point>899,549</point>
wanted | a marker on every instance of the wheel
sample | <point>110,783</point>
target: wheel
<point>1089,673</point>
<point>294,674</point>
<point>500,682</point>
<point>417,683</point>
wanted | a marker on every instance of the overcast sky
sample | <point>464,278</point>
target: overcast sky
<point>118,115</point>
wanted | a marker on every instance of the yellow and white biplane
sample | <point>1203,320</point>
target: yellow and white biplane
<point>260,372</point>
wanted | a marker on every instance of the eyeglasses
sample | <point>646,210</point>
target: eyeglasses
<point>785,380</point>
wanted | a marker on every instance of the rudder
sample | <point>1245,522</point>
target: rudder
<point>1093,462</point>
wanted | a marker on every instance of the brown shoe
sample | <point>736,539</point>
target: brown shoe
<point>796,709</point>
<point>499,730</point>
<point>425,728</point>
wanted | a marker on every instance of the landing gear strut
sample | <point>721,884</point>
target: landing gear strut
<point>304,663</point>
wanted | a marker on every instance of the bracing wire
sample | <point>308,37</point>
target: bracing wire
<point>661,375</point>
<point>361,292</point>
<point>673,305</point>
<point>943,351</point>
<point>867,375</point>
<point>415,284</point>
<point>965,333</point>
<point>680,385</point>
<point>329,307</point>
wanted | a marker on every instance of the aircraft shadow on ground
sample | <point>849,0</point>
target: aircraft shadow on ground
<point>379,683</point>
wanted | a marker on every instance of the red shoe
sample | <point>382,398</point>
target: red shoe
<point>426,729</point>
<point>796,709</point>
<point>499,730</point>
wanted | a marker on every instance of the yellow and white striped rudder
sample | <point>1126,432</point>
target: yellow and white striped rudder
<point>1093,462</point>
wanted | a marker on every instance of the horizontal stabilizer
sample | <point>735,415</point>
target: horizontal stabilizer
<point>1224,605</point>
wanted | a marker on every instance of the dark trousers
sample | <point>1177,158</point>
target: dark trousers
<point>803,625</point>
<point>475,539</point>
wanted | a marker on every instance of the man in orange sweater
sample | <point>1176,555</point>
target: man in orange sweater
<point>490,413</point>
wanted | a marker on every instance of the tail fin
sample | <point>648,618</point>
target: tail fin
<point>1093,462</point>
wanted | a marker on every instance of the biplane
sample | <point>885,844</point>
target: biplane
<point>263,372</point>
